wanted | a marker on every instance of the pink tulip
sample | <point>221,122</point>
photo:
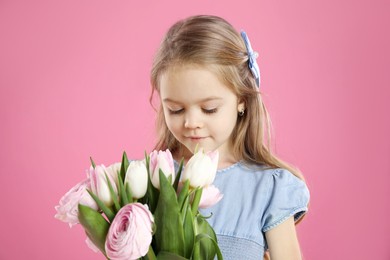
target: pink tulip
<point>113,171</point>
<point>99,184</point>
<point>164,161</point>
<point>210,196</point>
<point>130,233</point>
<point>67,210</point>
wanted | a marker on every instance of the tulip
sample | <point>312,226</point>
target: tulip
<point>99,185</point>
<point>130,233</point>
<point>161,161</point>
<point>137,178</point>
<point>113,170</point>
<point>67,210</point>
<point>210,196</point>
<point>201,169</point>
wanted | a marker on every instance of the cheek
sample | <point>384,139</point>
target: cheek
<point>226,123</point>
<point>173,123</point>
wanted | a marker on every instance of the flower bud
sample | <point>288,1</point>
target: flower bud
<point>137,178</point>
<point>99,185</point>
<point>160,160</point>
<point>210,196</point>
<point>113,170</point>
<point>201,169</point>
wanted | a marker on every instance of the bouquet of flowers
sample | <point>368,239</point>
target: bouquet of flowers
<point>144,209</point>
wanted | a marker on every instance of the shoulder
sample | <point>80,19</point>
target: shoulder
<point>287,196</point>
<point>245,176</point>
<point>272,175</point>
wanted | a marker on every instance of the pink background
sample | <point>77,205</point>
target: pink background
<point>74,83</point>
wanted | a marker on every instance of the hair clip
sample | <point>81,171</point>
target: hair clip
<point>252,56</point>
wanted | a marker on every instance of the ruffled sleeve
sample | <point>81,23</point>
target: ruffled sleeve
<point>287,196</point>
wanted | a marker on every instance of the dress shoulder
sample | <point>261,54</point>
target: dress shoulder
<point>287,196</point>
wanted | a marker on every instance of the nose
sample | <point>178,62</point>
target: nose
<point>193,121</point>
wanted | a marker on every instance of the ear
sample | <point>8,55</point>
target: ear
<point>241,106</point>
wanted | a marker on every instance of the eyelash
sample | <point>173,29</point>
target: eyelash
<point>175,112</point>
<point>209,111</point>
<point>206,111</point>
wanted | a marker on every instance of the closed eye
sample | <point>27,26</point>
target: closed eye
<point>209,111</point>
<point>175,112</point>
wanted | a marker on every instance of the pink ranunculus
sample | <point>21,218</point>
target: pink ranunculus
<point>130,233</point>
<point>164,161</point>
<point>210,196</point>
<point>99,184</point>
<point>67,210</point>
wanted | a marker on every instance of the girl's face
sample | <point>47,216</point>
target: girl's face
<point>199,109</point>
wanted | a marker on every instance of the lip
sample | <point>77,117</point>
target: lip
<point>195,138</point>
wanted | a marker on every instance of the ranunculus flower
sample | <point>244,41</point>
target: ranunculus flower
<point>164,161</point>
<point>137,178</point>
<point>67,210</point>
<point>130,233</point>
<point>210,196</point>
<point>201,169</point>
<point>99,185</point>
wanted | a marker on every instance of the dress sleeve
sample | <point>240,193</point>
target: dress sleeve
<point>287,196</point>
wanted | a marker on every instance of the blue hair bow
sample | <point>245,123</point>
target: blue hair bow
<point>252,56</point>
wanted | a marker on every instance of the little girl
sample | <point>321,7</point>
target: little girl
<point>208,81</point>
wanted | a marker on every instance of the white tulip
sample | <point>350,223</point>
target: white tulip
<point>137,178</point>
<point>201,169</point>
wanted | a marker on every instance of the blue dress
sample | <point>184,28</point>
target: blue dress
<point>256,199</point>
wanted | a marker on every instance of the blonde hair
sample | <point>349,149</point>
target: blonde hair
<point>212,42</point>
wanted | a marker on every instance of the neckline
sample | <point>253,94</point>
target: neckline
<point>229,167</point>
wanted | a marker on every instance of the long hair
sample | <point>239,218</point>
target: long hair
<point>212,42</point>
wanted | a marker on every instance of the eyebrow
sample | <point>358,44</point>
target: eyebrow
<point>200,101</point>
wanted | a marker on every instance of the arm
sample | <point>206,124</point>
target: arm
<point>283,242</point>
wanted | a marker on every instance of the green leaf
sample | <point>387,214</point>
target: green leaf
<point>178,175</point>
<point>92,162</point>
<point>122,192</point>
<point>195,202</point>
<point>204,248</point>
<point>106,210</point>
<point>169,234</point>
<point>114,196</point>
<point>150,255</point>
<point>152,194</point>
<point>163,255</point>
<point>203,227</point>
<point>183,194</point>
<point>95,225</point>
<point>124,165</point>
<point>189,232</point>
<point>129,195</point>
<point>204,253</point>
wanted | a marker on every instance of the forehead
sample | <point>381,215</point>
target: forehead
<point>192,83</point>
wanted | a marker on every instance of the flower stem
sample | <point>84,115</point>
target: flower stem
<point>150,255</point>
<point>195,202</point>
